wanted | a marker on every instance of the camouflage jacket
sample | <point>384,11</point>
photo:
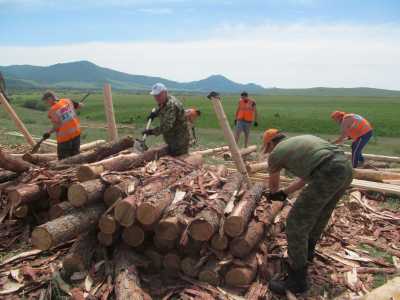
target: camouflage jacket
<point>173,125</point>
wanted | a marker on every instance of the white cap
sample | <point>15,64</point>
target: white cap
<point>157,89</point>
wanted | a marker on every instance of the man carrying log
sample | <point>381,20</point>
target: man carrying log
<point>191,116</point>
<point>173,124</point>
<point>358,129</point>
<point>65,124</point>
<point>327,173</point>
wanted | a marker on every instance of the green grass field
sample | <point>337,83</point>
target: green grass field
<point>293,114</point>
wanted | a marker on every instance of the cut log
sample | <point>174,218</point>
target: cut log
<point>66,227</point>
<point>133,235</point>
<point>372,175</point>
<point>26,194</point>
<point>60,209</point>
<point>163,245</point>
<point>155,257</point>
<point>149,155</point>
<point>172,261</point>
<point>237,221</point>
<point>7,162</point>
<point>108,240</point>
<point>97,154</point>
<point>191,247</point>
<point>240,275</point>
<point>80,255</point>
<point>219,242</point>
<point>125,210</point>
<point>257,291</point>
<point>169,228</point>
<point>127,282</point>
<point>58,192</point>
<point>91,145</point>
<point>258,167</point>
<point>207,222</point>
<point>376,186</point>
<point>378,157</point>
<point>210,273</point>
<point>119,191</point>
<point>84,193</point>
<point>88,172</point>
<point>211,151</point>
<point>188,266</point>
<point>7,176</point>
<point>151,209</point>
<point>37,159</point>
<point>242,245</point>
<point>243,152</point>
<point>107,224</point>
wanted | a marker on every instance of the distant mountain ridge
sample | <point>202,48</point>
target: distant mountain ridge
<point>87,75</point>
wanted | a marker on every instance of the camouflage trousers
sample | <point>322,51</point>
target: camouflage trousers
<point>314,206</point>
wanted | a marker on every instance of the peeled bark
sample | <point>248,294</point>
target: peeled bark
<point>127,282</point>
<point>80,255</point>
<point>243,274</point>
<point>7,176</point>
<point>7,162</point>
<point>108,224</point>
<point>60,209</point>
<point>26,194</point>
<point>119,191</point>
<point>80,194</point>
<point>242,245</point>
<point>151,209</point>
<point>125,210</point>
<point>237,221</point>
<point>243,152</point>
<point>207,222</point>
<point>210,273</point>
<point>188,266</point>
<point>66,227</point>
<point>133,235</point>
<point>172,261</point>
<point>219,242</point>
<point>97,154</point>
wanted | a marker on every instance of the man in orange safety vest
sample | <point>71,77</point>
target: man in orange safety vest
<point>246,115</point>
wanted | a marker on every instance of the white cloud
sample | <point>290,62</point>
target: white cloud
<point>157,11</point>
<point>297,55</point>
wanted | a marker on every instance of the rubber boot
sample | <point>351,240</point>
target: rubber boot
<point>311,250</point>
<point>296,282</point>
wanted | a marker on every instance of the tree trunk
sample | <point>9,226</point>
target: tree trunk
<point>125,210</point>
<point>80,254</point>
<point>207,222</point>
<point>210,273</point>
<point>237,221</point>
<point>80,194</point>
<point>26,194</point>
<point>7,162</point>
<point>108,224</point>
<point>127,282</point>
<point>242,274</point>
<point>133,235</point>
<point>219,242</point>
<point>119,191</point>
<point>7,176</point>
<point>60,209</point>
<point>188,266</point>
<point>169,228</point>
<point>66,227</point>
<point>97,154</point>
<point>242,245</point>
<point>149,155</point>
<point>151,209</point>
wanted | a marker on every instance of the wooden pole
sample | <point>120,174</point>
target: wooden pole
<point>223,121</point>
<point>16,120</point>
<point>109,110</point>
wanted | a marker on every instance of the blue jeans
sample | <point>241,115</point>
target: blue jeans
<point>357,147</point>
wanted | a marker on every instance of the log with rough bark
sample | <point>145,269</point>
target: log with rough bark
<point>66,227</point>
<point>242,245</point>
<point>108,224</point>
<point>84,193</point>
<point>163,245</point>
<point>108,239</point>
<point>151,209</point>
<point>88,172</point>
<point>155,258</point>
<point>6,175</point>
<point>172,261</point>
<point>125,210</point>
<point>37,159</point>
<point>7,162</point>
<point>91,145</point>
<point>60,209</point>
<point>133,235</point>
<point>97,154</point>
<point>127,281</point>
<point>26,194</point>
<point>207,222</point>
<point>238,219</point>
<point>119,191</point>
<point>242,274</point>
<point>219,242</point>
<point>58,191</point>
<point>188,266</point>
<point>243,152</point>
<point>80,254</point>
<point>210,273</point>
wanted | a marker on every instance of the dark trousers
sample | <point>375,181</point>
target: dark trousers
<point>357,148</point>
<point>69,148</point>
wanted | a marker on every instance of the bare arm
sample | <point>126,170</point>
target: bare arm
<point>274,181</point>
<point>295,186</point>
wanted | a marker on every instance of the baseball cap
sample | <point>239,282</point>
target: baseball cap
<point>157,89</point>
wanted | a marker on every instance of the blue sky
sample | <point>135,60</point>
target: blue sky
<point>184,32</point>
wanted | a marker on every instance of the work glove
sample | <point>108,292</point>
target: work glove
<point>152,115</point>
<point>255,124</point>
<point>148,132</point>
<point>46,136</point>
<point>235,122</point>
<point>278,196</point>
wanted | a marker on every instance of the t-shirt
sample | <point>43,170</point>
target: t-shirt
<point>300,155</point>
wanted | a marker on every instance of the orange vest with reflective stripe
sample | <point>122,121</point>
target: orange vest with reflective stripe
<point>359,126</point>
<point>64,111</point>
<point>246,110</point>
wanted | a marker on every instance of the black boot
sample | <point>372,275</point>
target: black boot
<point>296,282</point>
<point>311,250</point>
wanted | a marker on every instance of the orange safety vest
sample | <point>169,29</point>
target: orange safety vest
<point>246,110</point>
<point>64,111</point>
<point>359,126</point>
<point>191,115</point>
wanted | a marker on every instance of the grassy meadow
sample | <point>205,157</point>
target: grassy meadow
<point>293,114</point>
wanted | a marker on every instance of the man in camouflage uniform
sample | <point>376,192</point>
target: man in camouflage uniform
<point>173,124</point>
<point>325,170</point>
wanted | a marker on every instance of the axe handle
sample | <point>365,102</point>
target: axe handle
<point>148,125</point>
